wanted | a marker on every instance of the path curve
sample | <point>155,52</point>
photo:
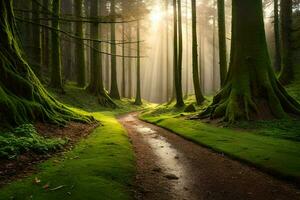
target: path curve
<point>172,168</point>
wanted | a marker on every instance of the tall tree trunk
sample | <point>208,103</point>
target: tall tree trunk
<point>138,100</point>
<point>178,54</point>
<point>129,62</point>
<point>169,89</point>
<point>287,72</point>
<point>56,77</point>
<point>251,90</point>
<point>114,91</point>
<point>23,99</point>
<point>277,64</point>
<point>214,75</point>
<point>123,62</point>
<point>187,49</point>
<point>222,41</point>
<point>67,7</point>
<point>36,35</point>
<point>45,41</point>
<point>196,80</point>
<point>79,47</point>
<point>96,85</point>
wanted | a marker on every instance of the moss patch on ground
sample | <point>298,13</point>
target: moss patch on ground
<point>99,167</point>
<point>270,145</point>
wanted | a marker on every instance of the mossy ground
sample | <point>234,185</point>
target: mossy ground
<point>271,145</point>
<point>99,167</point>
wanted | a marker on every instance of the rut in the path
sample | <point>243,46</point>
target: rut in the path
<point>169,167</point>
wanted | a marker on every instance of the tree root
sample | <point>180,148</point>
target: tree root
<point>232,106</point>
<point>105,101</point>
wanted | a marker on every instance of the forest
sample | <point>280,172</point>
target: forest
<point>150,99</point>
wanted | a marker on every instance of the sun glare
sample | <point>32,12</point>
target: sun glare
<point>156,15</point>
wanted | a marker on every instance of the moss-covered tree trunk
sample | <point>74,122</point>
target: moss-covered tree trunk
<point>23,99</point>
<point>79,46</point>
<point>196,80</point>
<point>222,41</point>
<point>56,77</point>
<point>138,99</point>
<point>277,64</point>
<point>96,85</point>
<point>251,90</point>
<point>114,90</point>
<point>287,72</point>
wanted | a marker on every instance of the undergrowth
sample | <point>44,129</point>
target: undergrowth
<point>24,139</point>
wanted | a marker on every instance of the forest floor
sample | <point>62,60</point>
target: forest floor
<point>154,163</point>
<point>170,167</point>
<point>100,166</point>
<point>272,146</point>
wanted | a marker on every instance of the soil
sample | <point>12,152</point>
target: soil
<point>172,168</point>
<point>26,164</point>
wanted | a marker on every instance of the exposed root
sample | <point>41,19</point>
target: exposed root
<point>231,106</point>
<point>105,101</point>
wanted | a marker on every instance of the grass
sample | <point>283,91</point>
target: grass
<point>270,145</point>
<point>99,167</point>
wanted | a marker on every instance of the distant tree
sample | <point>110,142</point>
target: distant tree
<point>277,64</point>
<point>222,41</point>
<point>23,98</point>
<point>114,90</point>
<point>196,80</point>
<point>138,99</point>
<point>178,53</point>
<point>123,62</point>
<point>36,35</point>
<point>287,72</point>
<point>79,45</point>
<point>251,90</point>
<point>56,77</point>
<point>96,85</point>
<point>45,40</point>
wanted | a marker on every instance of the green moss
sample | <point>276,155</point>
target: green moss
<point>23,99</point>
<point>100,166</point>
<point>271,145</point>
<point>25,138</point>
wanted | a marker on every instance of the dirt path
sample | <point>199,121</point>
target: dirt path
<point>169,167</point>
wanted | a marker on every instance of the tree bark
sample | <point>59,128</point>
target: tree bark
<point>56,77</point>
<point>251,90</point>
<point>138,100</point>
<point>222,41</point>
<point>114,90</point>
<point>178,54</point>
<point>79,47</point>
<point>36,35</point>
<point>287,72</point>
<point>123,63</point>
<point>196,80</point>
<point>277,64</point>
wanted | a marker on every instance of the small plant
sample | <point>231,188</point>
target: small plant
<point>25,138</point>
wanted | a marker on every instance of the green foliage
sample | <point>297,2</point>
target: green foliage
<point>25,138</point>
<point>102,164</point>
